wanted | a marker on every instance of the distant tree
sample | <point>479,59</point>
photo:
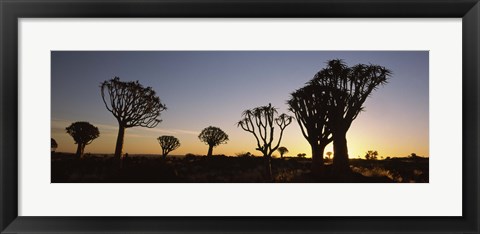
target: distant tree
<point>282,150</point>
<point>310,105</point>
<point>213,136</point>
<point>54,145</point>
<point>83,133</point>
<point>348,88</point>
<point>168,144</point>
<point>261,121</point>
<point>329,154</point>
<point>414,156</point>
<point>132,105</point>
<point>243,154</point>
<point>301,155</point>
<point>371,155</point>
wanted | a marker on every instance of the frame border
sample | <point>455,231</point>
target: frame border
<point>12,10</point>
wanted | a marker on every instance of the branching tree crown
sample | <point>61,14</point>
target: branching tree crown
<point>349,87</point>
<point>310,105</point>
<point>168,144</point>
<point>83,133</point>
<point>213,136</point>
<point>131,103</point>
<point>261,121</point>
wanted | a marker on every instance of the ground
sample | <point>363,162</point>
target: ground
<point>66,168</point>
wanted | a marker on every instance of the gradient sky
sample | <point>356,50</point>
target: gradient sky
<point>203,88</point>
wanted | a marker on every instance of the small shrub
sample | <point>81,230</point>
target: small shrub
<point>378,172</point>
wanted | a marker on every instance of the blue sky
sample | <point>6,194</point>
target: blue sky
<point>203,88</point>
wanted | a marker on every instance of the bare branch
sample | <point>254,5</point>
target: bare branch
<point>260,122</point>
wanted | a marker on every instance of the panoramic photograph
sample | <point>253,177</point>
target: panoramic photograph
<point>239,117</point>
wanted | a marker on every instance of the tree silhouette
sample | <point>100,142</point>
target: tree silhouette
<point>282,150</point>
<point>83,133</point>
<point>371,155</point>
<point>260,121</point>
<point>348,88</point>
<point>132,105</point>
<point>168,144</point>
<point>310,106</point>
<point>414,156</point>
<point>54,145</point>
<point>213,136</point>
<point>329,154</point>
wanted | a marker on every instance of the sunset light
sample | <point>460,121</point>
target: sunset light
<point>198,89</point>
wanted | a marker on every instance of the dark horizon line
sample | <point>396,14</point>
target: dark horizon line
<point>204,155</point>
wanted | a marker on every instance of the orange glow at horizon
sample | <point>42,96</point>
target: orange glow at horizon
<point>143,141</point>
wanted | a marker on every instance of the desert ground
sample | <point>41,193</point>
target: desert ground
<point>67,168</point>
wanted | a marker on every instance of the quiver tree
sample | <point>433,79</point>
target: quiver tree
<point>54,145</point>
<point>329,154</point>
<point>348,88</point>
<point>168,144</point>
<point>310,106</point>
<point>282,150</point>
<point>213,136</point>
<point>132,105</point>
<point>261,121</point>
<point>83,133</point>
<point>371,155</point>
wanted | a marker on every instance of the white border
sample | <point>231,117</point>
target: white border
<point>441,197</point>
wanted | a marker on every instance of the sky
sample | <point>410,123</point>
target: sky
<point>213,88</point>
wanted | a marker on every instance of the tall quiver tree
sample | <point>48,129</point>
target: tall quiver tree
<point>132,105</point>
<point>348,87</point>
<point>261,121</point>
<point>168,144</point>
<point>310,106</point>
<point>213,136</point>
<point>83,133</point>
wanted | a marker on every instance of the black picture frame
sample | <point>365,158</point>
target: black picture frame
<point>11,11</point>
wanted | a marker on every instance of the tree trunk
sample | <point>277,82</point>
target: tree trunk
<point>340,152</point>
<point>317,159</point>
<point>119,146</point>
<point>210,150</point>
<point>164,157</point>
<point>80,148</point>
<point>268,168</point>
